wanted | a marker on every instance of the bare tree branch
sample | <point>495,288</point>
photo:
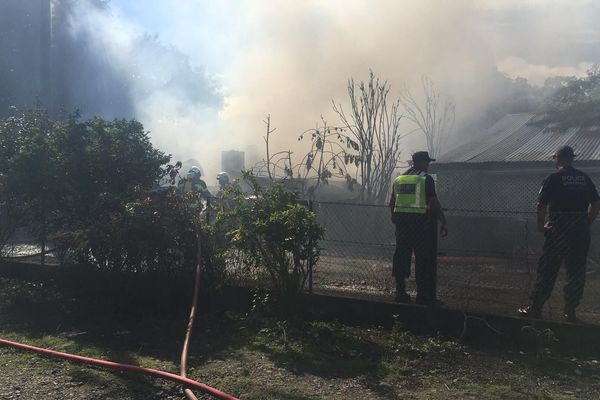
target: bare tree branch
<point>266,139</point>
<point>374,124</point>
<point>434,116</point>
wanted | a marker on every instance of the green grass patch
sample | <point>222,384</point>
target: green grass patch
<point>257,356</point>
<point>510,392</point>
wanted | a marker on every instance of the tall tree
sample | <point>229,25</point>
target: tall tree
<point>576,101</point>
<point>434,116</point>
<point>374,124</point>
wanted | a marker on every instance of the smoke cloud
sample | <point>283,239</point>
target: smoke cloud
<point>177,101</point>
<point>202,75</point>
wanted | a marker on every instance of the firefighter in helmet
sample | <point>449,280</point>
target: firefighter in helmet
<point>224,183</point>
<point>193,183</point>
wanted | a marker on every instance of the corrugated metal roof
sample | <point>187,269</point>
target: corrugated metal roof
<point>586,143</point>
<point>502,129</point>
<point>506,147</point>
<point>512,139</point>
<point>541,145</point>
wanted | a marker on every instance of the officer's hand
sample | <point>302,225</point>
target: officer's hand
<point>546,227</point>
<point>443,231</point>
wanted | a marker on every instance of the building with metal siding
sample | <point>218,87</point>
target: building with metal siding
<point>25,48</point>
<point>502,170</point>
<point>490,185</point>
<point>45,65</point>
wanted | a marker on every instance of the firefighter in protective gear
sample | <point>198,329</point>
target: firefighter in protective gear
<point>193,183</point>
<point>415,212</point>
<point>224,193</point>
<point>224,183</point>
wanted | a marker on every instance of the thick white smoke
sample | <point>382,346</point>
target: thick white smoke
<point>178,102</point>
<point>291,58</point>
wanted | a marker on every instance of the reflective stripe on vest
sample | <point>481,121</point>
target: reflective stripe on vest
<point>410,194</point>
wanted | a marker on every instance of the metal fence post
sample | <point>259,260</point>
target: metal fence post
<point>208,209</point>
<point>43,231</point>
<point>310,257</point>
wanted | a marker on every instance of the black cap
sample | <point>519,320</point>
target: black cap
<point>421,156</point>
<point>566,152</point>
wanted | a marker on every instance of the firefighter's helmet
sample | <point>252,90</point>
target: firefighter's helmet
<point>195,172</point>
<point>223,178</point>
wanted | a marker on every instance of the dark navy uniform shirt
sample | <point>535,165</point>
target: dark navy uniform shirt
<point>568,194</point>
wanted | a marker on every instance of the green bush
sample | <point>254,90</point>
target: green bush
<point>276,235</point>
<point>59,177</point>
<point>91,188</point>
<point>149,233</point>
<point>28,169</point>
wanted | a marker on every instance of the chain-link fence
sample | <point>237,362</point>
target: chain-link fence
<point>488,262</point>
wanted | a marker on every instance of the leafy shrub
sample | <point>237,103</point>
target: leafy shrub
<point>149,233</point>
<point>63,177</point>
<point>91,187</point>
<point>276,235</point>
<point>27,170</point>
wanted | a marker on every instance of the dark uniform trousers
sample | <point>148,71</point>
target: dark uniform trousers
<point>568,245</point>
<point>417,233</point>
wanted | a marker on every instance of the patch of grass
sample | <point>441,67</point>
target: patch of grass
<point>334,350</point>
<point>57,343</point>
<point>413,346</point>
<point>326,349</point>
<point>404,342</point>
<point>395,371</point>
<point>66,345</point>
<point>510,392</point>
<point>257,356</point>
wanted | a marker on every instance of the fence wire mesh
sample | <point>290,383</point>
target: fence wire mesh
<point>487,263</point>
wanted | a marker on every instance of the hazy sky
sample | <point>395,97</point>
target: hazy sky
<point>291,58</point>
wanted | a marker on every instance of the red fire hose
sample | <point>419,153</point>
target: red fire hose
<point>188,334</point>
<point>187,383</point>
<point>190,383</point>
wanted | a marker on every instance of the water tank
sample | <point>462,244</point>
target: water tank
<point>233,162</point>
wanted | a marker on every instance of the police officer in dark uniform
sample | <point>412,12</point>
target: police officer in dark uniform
<point>573,203</point>
<point>415,212</point>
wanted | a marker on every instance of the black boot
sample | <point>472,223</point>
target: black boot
<point>571,316</point>
<point>401,295</point>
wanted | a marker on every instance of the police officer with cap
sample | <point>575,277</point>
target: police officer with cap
<point>573,204</point>
<point>415,212</point>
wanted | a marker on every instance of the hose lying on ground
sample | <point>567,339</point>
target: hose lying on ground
<point>182,379</point>
<point>125,367</point>
<point>187,383</point>
<point>188,334</point>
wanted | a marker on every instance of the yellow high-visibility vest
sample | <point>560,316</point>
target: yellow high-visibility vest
<point>410,194</point>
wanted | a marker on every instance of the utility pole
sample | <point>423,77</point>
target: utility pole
<point>45,23</point>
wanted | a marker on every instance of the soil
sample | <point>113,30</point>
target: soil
<point>469,283</point>
<point>259,356</point>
